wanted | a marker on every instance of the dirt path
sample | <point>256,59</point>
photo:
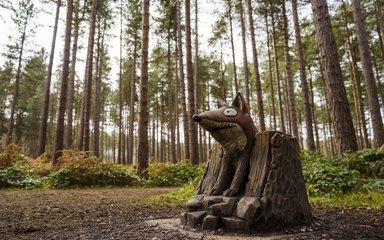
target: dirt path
<point>119,214</point>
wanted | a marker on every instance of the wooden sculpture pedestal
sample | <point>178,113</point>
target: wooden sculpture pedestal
<point>273,197</point>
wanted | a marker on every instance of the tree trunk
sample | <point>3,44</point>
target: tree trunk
<point>245,58</point>
<point>193,145</point>
<point>303,80</point>
<point>277,74</point>
<point>97,100</point>
<point>171,114</point>
<point>182,84</point>
<point>288,69</point>
<point>142,149</point>
<point>273,112</point>
<point>356,81</point>
<point>47,86</point>
<point>132,105</point>
<point>373,101</point>
<point>71,84</point>
<point>336,94</point>
<point>59,143</point>
<point>260,104</point>
<point>380,19</point>
<point>235,81</point>
<point>15,97</point>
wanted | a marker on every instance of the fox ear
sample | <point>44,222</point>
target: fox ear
<point>221,103</point>
<point>240,103</point>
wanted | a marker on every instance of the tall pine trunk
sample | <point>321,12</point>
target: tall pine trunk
<point>142,148</point>
<point>184,109</point>
<point>68,135</point>
<point>132,105</point>
<point>47,86</point>
<point>245,57</point>
<point>373,101</point>
<point>277,73</point>
<point>303,80</point>
<point>260,104</point>
<point>288,70</point>
<point>337,98</point>
<point>270,71</point>
<point>191,96</point>
<point>235,81</point>
<point>59,143</point>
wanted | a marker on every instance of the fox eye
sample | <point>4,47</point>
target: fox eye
<point>230,112</point>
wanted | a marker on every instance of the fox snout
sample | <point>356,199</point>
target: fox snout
<point>196,118</point>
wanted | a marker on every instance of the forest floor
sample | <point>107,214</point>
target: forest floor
<point>122,213</point>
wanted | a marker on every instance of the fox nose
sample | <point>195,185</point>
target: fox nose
<point>196,118</point>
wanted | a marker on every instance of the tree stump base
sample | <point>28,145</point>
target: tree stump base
<point>274,196</point>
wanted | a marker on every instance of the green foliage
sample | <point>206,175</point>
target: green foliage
<point>332,175</point>
<point>15,177</point>
<point>161,174</point>
<point>369,162</point>
<point>103,174</point>
<point>327,176</point>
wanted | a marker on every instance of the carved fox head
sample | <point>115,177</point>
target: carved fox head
<point>231,125</point>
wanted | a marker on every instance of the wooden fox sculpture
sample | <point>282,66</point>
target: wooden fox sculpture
<point>233,127</point>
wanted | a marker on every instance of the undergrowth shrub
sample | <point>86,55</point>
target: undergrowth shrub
<point>75,169</point>
<point>15,177</point>
<point>327,175</point>
<point>10,155</point>
<point>165,174</point>
<point>369,162</point>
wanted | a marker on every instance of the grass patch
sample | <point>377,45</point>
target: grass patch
<point>177,198</point>
<point>373,200</point>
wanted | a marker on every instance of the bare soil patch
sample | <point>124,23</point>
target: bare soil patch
<point>119,213</point>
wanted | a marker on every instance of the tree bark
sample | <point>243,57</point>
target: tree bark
<point>142,149</point>
<point>288,70</point>
<point>187,154</point>
<point>260,104</point>
<point>47,86</point>
<point>132,105</point>
<point>336,94</point>
<point>193,144</point>
<point>303,80</point>
<point>235,81</point>
<point>373,101</point>
<point>59,143</point>
<point>277,73</point>
<point>68,139</point>
<point>270,71</point>
<point>245,57</point>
